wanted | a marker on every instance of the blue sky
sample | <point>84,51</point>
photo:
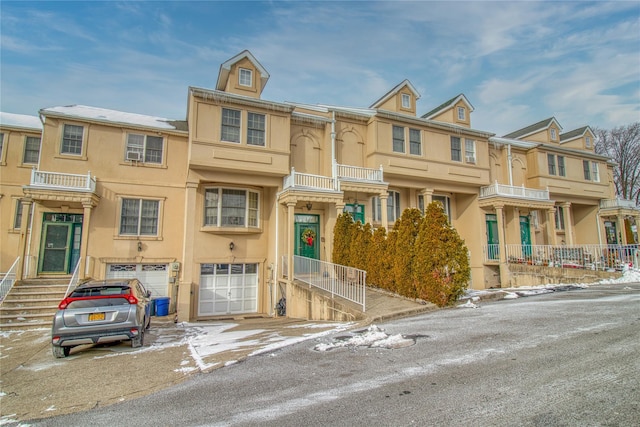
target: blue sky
<point>516,62</point>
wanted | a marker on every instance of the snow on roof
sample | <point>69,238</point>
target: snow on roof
<point>105,115</point>
<point>20,121</point>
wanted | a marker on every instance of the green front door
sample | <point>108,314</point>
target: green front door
<point>56,248</point>
<point>525,237</point>
<point>493,244</point>
<point>307,236</point>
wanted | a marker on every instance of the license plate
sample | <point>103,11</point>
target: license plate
<point>96,316</point>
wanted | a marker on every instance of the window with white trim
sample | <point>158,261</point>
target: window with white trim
<point>406,100</point>
<point>595,173</point>
<point>245,77</point>
<point>456,149</point>
<point>17,218</point>
<point>551,162</point>
<point>230,125</point>
<point>559,217</point>
<point>446,204</point>
<point>462,114</point>
<point>256,129</point>
<point>72,140</point>
<point>415,143</point>
<point>393,207</point>
<point>553,133</point>
<point>31,150</point>
<point>586,168</point>
<point>469,151</point>
<point>148,147</point>
<point>231,207</point>
<point>587,141</point>
<point>562,171</point>
<point>139,217</point>
<point>398,139</point>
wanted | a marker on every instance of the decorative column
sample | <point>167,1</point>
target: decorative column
<point>24,230</point>
<point>551,228</point>
<point>568,223</point>
<point>622,231</point>
<point>504,269</point>
<point>87,207</point>
<point>384,217</point>
<point>427,193</point>
<point>291,206</point>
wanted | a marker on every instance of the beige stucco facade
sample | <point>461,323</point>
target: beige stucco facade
<point>212,208</point>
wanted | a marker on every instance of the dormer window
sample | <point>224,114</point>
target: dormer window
<point>245,78</point>
<point>553,133</point>
<point>587,141</point>
<point>461,114</point>
<point>406,100</point>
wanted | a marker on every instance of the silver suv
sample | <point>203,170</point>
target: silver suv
<point>101,311</point>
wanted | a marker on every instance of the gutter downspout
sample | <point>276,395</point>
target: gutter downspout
<point>334,163</point>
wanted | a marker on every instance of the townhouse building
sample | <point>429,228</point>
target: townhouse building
<point>210,210</point>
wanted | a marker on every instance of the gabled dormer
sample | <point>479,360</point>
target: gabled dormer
<point>242,75</point>
<point>545,131</point>
<point>400,99</point>
<point>457,111</point>
<point>582,138</point>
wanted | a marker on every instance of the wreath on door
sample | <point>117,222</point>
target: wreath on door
<point>308,236</point>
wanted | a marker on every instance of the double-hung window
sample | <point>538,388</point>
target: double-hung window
<point>255,129</point>
<point>595,174</point>
<point>398,139</point>
<point>469,151</point>
<point>586,169</point>
<point>148,148</point>
<point>561,168</point>
<point>456,149</point>
<point>31,150</point>
<point>461,113</point>
<point>415,143</point>
<point>139,217</point>
<point>587,141</point>
<point>245,77</point>
<point>230,207</point>
<point>393,207</point>
<point>551,161</point>
<point>1,144</point>
<point>72,140</point>
<point>230,125</point>
<point>406,100</point>
<point>559,217</point>
<point>554,134</point>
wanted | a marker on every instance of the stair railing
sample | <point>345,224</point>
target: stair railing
<point>8,280</point>
<point>73,283</point>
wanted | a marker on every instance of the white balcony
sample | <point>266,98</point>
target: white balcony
<point>511,191</point>
<point>306,181</point>
<point>62,181</point>
<point>358,174</point>
<point>617,203</point>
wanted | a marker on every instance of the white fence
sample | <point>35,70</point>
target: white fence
<point>8,280</point>
<point>513,191</point>
<point>594,257</point>
<point>309,181</point>
<point>356,173</point>
<point>346,282</point>
<point>64,181</point>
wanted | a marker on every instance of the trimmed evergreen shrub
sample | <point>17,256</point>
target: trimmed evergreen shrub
<point>403,261</point>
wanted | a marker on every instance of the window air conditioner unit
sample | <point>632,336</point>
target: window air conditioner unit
<point>134,155</point>
<point>470,159</point>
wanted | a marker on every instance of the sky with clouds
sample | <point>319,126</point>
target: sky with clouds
<point>517,62</point>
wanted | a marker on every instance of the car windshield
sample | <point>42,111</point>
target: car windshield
<point>98,302</point>
<point>100,291</point>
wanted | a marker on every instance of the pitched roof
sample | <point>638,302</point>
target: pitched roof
<point>448,104</point>
<point>394,91</point>
<point>536,127</point>
<point>576,133</point>
<point>112,116</point>
<point>20,121</point>
<point>225,69</point>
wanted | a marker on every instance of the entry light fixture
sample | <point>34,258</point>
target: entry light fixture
<point>309,206</point>
<point>231,246</point>
<point>139,246</point>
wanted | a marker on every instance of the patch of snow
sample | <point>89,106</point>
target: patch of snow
<point>510,295</point>
<point>51,408</point>
<point>373,337</point>
<point>469,304</point>
<point>20,121</point>
<point>114,116</point>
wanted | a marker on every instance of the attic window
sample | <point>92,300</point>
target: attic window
<point>406,100</point>
<point>553,134</point>
<point>245,77</point>
<point>588,141</point>
<point>461,113</point>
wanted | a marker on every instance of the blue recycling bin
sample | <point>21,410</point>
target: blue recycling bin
<point>162,306</point>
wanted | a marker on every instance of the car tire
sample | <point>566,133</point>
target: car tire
<point>60,352</point>
<point>139,340</point>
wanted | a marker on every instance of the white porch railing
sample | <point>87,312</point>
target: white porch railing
<point>346,282</point>
<point>356,173</point>
<point>309,181</point>
<point>513,191</point>
<point>594,257</point>
<point>8,280</point>
<point>63,181</point>
<point>617,203</point>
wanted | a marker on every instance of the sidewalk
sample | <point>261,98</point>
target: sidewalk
<point>34,384</point>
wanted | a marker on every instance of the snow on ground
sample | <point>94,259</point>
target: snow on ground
<point>373,337</point>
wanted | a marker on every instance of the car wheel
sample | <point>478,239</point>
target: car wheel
<point>60,352</point>
<point>139,340</point>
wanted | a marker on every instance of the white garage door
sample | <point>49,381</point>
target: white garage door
<point>228,289</point>
<point>154,277</point>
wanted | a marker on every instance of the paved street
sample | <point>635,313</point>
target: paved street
<point>565,358</point>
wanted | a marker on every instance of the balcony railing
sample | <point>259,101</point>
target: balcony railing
<point>513,191</point>
<point>356,173</point>
<point>617,203</point>
<point>307,181</point>
<point>63,181</point>
<point>592,257</point>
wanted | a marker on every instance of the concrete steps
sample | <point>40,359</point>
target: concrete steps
<point>32,303</point>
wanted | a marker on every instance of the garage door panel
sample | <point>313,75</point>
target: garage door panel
<point>235,291</point>
<point>154,277</point>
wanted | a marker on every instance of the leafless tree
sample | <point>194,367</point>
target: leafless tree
<point>622,145</point>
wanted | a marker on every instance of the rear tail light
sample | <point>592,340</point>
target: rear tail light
<point>64,303</point>
<point>55,340</point>
<point>132,299</point>
<point>134,331</point>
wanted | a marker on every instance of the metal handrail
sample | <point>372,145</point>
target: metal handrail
<point>8,280</point>
<point>73,283</point>
<point>346,282</point>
